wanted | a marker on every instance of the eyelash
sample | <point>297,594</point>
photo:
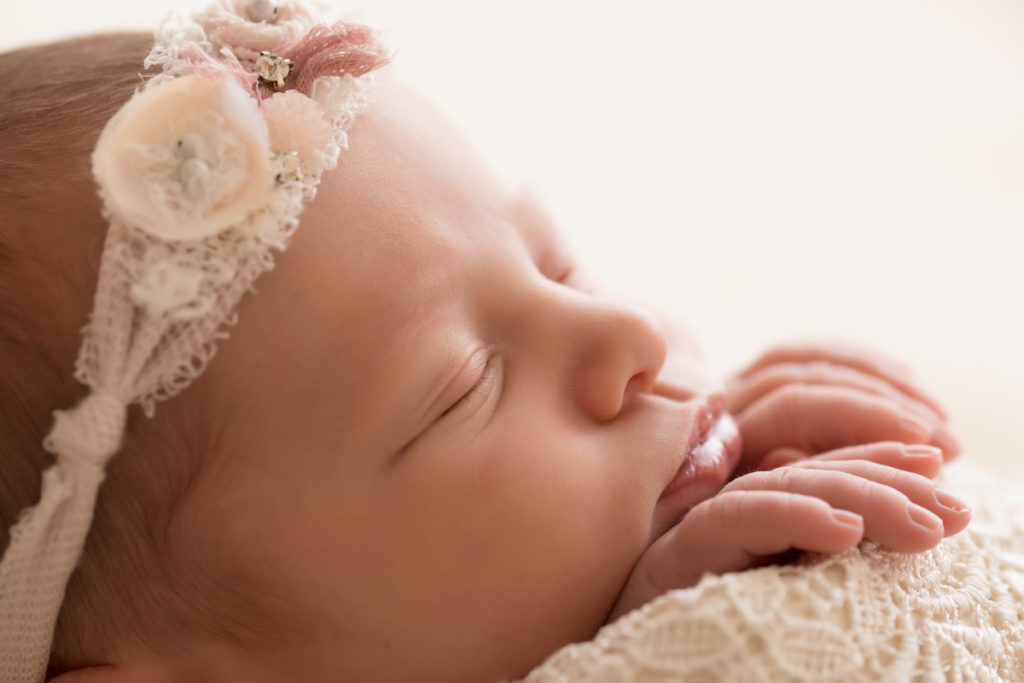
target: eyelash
<point>478,391</point>
<point>564,276</point>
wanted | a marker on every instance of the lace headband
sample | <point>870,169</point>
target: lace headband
<point>202,173</point>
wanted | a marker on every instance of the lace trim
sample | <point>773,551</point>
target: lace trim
<point>954,613</point>
<point>199,183</point>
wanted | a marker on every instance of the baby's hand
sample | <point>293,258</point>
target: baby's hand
<point>807,398</point>
<point>826,505</point>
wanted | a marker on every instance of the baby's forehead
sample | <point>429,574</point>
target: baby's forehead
<point>386,256</point>
<point>411,190</point>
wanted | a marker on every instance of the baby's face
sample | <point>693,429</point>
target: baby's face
<point>449,457</point>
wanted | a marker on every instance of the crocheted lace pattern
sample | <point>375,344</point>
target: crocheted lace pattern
<point>203,175</point>
<point>955,613</point>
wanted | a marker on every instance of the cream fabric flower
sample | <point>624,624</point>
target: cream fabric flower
<point>185,159</point>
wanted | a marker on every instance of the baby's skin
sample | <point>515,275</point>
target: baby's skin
<point>812,419</point>
<point>445,455</point>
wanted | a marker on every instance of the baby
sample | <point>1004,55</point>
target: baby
<point>430,449</point>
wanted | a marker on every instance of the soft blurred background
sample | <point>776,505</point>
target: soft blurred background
<point>773,170</point>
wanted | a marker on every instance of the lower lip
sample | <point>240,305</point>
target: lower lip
<point>706,468</point>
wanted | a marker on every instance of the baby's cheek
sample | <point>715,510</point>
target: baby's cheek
<point>511,553</point>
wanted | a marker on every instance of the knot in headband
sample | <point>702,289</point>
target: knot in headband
<point>90,432</point>
<point>202,173</point>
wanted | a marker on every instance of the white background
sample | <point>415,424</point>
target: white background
<point>772,170</point>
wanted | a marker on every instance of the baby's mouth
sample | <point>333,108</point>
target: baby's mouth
<point>712,453</point>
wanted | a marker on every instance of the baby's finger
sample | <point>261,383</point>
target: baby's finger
<point>919,489</point>
<point>735,527</point>
<point>891,516</point>
<point>745,390</point>
<point>780,457</point>
<point>816,419</point>
<point>856,356</point>
<point>729,532</point>
<point>916,458</point>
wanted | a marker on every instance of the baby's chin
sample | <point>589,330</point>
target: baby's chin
<point>702,474</point>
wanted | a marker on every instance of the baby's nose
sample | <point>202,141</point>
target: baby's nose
<point>621,349</point>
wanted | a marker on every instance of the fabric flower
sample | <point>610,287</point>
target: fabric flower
<point>295,122</point>
<point>197,61</point>
<point>238,24</point>
<point>336,50</point>
<point>185,159</point>
<point>177,285</point>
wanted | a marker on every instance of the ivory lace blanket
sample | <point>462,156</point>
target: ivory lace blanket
<point>955,613</point>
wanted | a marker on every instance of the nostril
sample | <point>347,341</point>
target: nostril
<point>685,377</point>
<point>676,392</point>
<point>617,352</point>
<point>641,382</point>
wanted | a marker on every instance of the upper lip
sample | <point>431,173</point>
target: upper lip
<point>702,411</point>
<point>705,418</point>
<point>686,471</point>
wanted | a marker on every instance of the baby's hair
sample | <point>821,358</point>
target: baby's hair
<point>138,579</point>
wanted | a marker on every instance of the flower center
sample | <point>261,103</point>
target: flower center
<point>263,10</point>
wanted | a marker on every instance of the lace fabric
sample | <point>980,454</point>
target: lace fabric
<point>955,613</point>
<point>195,214</point>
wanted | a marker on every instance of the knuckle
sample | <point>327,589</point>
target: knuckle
<point>910,482</point>
<point>792,395</point>
<point>727,510</point>
<point>789,405</point>
<point>770,379</point>
<point>786,506</point>
<point>870,491</point>
<point>788,478</point>
<point>820,371</point>
<point>751,480</point>
<point>864,451</point>
<point>799,505</point>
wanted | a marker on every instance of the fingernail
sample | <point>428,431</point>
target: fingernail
<point>850,519</point>
<point>916,425</point>
<point>923,518</point>
<point>930,453</point>
<point>944,439</point>
<point>951,502</point>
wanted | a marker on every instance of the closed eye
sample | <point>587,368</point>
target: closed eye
<point>469,402</point>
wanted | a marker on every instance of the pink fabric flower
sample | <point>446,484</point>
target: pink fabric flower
<point>202,64</point>
<point>295,122</point>
<point>342,48</point>
<point>227,23</point>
